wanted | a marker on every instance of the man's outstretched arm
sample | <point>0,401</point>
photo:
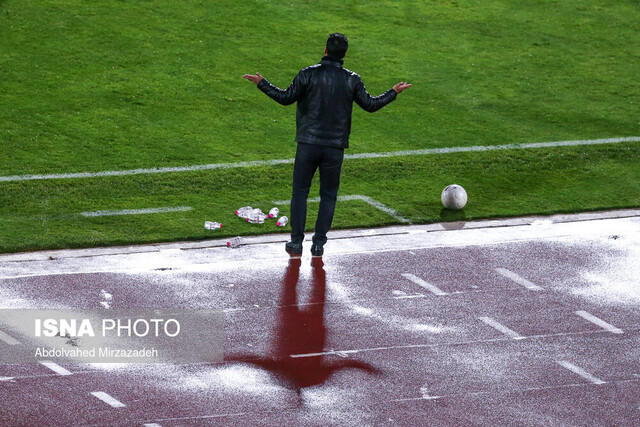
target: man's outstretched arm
<point>284,97</point>
<point>370,103</point>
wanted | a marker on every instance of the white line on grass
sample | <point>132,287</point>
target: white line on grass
<point>55,367</point>
<point>8,339</point>
<point>519,280</point>
<point>579,371</point>
<point>111,401</point>
<point>274,162</point>
<point>597,321</point>
<point>500,327</point>
<point>426,285</point>
<point>376,204</point>
<point>136,211</point>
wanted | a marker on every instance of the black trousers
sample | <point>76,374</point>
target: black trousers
<point>310,158</point>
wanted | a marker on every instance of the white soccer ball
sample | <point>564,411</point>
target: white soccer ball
<point>453,197</point>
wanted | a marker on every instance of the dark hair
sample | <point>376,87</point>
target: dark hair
<point>337,45</point>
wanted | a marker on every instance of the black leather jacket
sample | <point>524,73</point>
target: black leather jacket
<point>325,93</point>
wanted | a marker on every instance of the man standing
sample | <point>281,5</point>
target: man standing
<point>325,93</point>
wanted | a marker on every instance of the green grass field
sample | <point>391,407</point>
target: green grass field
<point>114,85</point>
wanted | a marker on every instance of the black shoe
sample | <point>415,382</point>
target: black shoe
<point>293,249</point>
<point>317,250</point>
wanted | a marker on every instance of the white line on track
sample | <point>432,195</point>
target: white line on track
<point>232,310</point>
<point>324,353</point>
<point>518,279</point>
<point>455,343</point>
<point>372,202</point>
<point>111,401</point>
<point>500,327</point>
<point>151,425</point>
<point>137,211</point>
<point>388,320</point>
<point>597,321</point>
<point>502,391</point>
<point>581,372</point>
<point>274,162</point>
<point>41,376</point>
<point>8,339</point>
<point>59,273</point>
<point>426,285</point>
<point>426,395</point>
<point>55,367</point>
<point>230,414</point>
<point>409,296</point>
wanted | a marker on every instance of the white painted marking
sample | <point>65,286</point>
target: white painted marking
<point>426,285</point>
<point>8,339</point>
<point>500,327</point>
<point>501,391</point>
<point>597,321</point>
<point>115,403</point>
<point>274,162</point>
<point>380,206</point>
<point>224,415</point>
<point>151,425</point>
<point>136,211</point>
<point>40,376</point>
<point>55,367</point>
<point>472,342</point>
<point>388,320</point>
<point>146,171</point>
<point>372,202</point>
<point>55,273</point>
<point>541,222</point>
<point>581,372</point>
<point>342,353</point>
<point>448,150</point>
<point>518,279</point>
<point>409,296</point>
<point>426,396</point>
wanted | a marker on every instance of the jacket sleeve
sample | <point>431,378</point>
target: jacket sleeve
<point>287,96</point>
<point>370,103</point>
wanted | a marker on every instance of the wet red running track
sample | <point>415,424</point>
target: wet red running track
<point>521,322</point>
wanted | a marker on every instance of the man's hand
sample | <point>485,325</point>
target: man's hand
<point>399,87</point>
<point>255,79</point>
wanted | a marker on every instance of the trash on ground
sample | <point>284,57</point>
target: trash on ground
<point>235,242</point>
<point>257,217</point>
<point>244,212</point>
<point>282,221</point>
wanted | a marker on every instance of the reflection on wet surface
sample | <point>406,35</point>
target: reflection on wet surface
<point>300,335</point>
